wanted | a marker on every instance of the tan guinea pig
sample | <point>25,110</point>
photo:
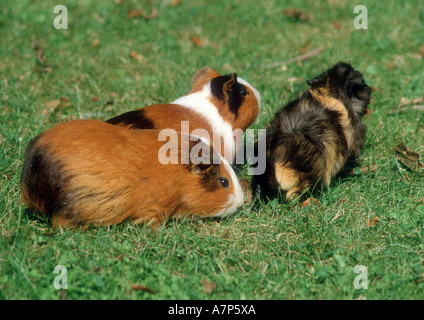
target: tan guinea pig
<point>88,172</point>
<point>218,107</point>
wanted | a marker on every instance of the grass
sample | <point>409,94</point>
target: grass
<point>275,250</point>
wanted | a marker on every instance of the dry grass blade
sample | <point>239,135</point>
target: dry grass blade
<point>302,57</point>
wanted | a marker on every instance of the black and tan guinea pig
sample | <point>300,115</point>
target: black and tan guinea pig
<point>88,172</point>
<point>310,139</point>
<point>222,105</point>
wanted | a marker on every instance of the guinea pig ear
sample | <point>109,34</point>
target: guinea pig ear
<point>200,169</point>
<point>200,157</point>
<point>228,86</point>
<point>318,81</point>
<point>203,75</point>
<point>356,88</point>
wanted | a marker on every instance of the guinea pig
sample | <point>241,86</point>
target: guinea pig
<point>88,172</point>
<point>309,141</point>
<point>218,108</point>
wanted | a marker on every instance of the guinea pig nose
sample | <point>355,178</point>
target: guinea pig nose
<point>224,182</point>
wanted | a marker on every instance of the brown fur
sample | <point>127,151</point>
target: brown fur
<point>201,77</point>
<point>236,110</point>
<point>90,172</point>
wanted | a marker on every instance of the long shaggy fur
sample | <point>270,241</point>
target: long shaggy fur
<point>311,138</point>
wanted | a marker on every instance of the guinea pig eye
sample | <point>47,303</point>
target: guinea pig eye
<point>224,182</point>
<point>243,91</point>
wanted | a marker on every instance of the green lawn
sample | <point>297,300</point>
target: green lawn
<point>107,63</point>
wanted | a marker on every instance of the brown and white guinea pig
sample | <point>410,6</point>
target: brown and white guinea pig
<point>88,172</point>
<point>310,139</point>
<point>218,104</point>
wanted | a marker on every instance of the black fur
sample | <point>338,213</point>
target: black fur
<point>43,177</point>
<point>136,119</point>
<point>234,95</point>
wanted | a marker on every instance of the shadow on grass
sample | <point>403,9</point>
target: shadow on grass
<point>347,174</point>
<point>33,216</point>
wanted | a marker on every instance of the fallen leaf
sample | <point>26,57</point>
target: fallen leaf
<point>422,50</point>
<point>421,279</point>
<point>119,1</point>
<point>136,56</point>
<point>337,25</point>
<point>208,287</point>
<point>297,14</point>
<point>153,15</point>
<point>371,168</point>
<point>305,47</point>
<point>197,41</point>
<point>41,60</point>
<point>138,287</point>
<point>64,103</point>
<point>372,222</point>
<point>134,13</point>
<point>175,3</point>
<point>95,43</point>
<point>53,104</point>
<point>368,112</point>
<point>39,53</point>
<point>139,13</point>
<point>308,202</point>
<point>409,158</point>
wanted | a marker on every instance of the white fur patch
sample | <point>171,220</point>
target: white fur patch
<point>236,199</point>
<point>200,103</point>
